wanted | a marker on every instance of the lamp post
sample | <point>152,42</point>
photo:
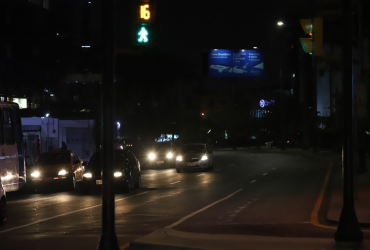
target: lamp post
<point>280,24</point>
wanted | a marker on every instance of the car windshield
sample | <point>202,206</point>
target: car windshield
<point>193,149</point>
<point>54,159</point>
<point>95,161</point>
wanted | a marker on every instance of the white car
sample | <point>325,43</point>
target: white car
<point>2,203</point>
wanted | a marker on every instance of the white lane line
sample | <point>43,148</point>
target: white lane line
<point>175,182</point>
<point>273,168</point>
<point>61,215</point>
<point>232,165</point>
<point>265,173</point>
<point>38,199</point>
<point>204,181</point>
<point>200,174</point>
<point>218,169</point>
<point>201,210</point>
<point>253,181</point>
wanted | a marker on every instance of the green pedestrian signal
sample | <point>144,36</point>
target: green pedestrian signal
<point>143,35</point>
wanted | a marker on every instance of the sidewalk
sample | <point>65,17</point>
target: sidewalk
<point>170,239</point>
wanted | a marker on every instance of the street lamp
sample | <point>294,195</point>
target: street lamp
<point>280,23</point>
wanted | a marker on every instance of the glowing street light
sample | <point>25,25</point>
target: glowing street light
<point>280,23</point>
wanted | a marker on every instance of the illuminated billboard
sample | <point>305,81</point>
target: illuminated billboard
<point>235,63</point>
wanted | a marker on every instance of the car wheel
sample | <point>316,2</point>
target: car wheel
<point>127,186</point>
<point>138,183</point>
<point>2,210</point>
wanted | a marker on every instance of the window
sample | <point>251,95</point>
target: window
<point>7,127</point>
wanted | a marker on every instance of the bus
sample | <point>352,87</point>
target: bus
<point>12,158</point>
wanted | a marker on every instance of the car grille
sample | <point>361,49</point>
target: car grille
<point>191,159</point>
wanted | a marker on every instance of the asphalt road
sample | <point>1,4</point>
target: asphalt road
<point>248,192</point>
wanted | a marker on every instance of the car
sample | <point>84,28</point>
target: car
<point>2,203</point>
<point>194,156</point>
<point>127,172</point>
<point>160,154</point>
<point>58,168</point>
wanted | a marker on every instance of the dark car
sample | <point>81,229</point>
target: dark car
<point>194,156</point>
<point>160,154</point>
<point>57,168</point>
<point>127,173</point>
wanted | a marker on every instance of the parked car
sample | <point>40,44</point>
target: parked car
<point>2,203</point>
<point>57,168</point>
<point>194,156</point>
<point>127,172</point>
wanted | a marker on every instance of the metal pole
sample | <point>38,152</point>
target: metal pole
<point>108,239</point>
<point>281,108</point>
<point>234,121</point>
<point>314,106</point>
<point>348,233</point>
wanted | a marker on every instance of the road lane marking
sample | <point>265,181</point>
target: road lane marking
<point>200,174</point>
<point>265,173</point>
<point>61,215</point>
<point>175,182</point>
<point>232,165</point>
<point>273,168</point>
<point>218,169</point>
<point>201,210</point>
<point>38,199</point>
<point>314,219</point>
<point>253,181</point>
<point>204,181</point>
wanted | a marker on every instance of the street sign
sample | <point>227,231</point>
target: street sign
<point>235,63</point>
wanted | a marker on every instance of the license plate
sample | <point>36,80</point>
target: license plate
<point>192,164</point>
<point>160,162</point>
<point>48,179</point>
<point>99,182</point>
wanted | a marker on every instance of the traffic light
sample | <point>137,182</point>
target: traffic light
<point>143,25</point>
<point>314,42</point>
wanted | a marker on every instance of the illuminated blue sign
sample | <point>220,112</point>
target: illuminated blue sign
<point>264,103</point>
<point>235,63</point>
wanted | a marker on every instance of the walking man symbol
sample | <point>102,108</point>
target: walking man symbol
<point>143,35</point>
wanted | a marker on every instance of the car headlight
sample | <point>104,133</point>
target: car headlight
<point>179,158</point>
<point>151,156</point>
<point>35,174</point>
<point>117,174</point>
<point>62,172</point>
<point>204,157</point>
<point>169,155</point>
<point>88,175</point>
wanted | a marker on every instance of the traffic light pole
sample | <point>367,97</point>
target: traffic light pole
<point>348,233</point>
<point>108,239</point>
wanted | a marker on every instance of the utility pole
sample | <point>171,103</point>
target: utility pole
<point>348,233</point>
<point>108,239</point>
